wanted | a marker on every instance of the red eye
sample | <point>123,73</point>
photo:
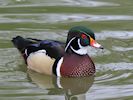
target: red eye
<point>83,36</point>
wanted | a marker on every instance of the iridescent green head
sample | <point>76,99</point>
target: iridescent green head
<point>80,37</point>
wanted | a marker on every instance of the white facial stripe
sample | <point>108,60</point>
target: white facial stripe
<point>69,43</point>
<point>59,66</point>
<point>82,50</point>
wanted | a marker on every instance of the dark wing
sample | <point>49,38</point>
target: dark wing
<point>26,46</point>
<point>21,43</point>
<point>54,49</point>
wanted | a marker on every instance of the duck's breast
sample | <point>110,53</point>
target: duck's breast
<point>77,66</point>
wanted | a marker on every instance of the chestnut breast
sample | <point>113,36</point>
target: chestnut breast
<point>77,66</point>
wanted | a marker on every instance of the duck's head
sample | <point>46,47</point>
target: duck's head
<point>79,38</point>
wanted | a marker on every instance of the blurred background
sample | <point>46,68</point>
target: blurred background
<point>112,22</point>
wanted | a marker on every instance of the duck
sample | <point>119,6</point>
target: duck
<point>51,57</point>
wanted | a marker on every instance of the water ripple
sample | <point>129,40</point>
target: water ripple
<point>74,3</point>
<point>115,66</point>
<point>110,92</point>
<point>110,78</point>
<point>115,34</point>
<point>62,18</point>
<point>123,49</point>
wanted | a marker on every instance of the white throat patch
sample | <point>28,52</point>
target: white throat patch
<point>82,50</point>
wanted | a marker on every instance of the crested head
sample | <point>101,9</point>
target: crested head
<point>79,38</point>
<point>78,30</point>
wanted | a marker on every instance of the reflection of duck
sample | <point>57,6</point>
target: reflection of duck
<point>72,87</point>
<point>50,57</point>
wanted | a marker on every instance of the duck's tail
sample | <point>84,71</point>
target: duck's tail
<point>21,43</point>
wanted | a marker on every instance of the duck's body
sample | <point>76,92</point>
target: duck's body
<point>53,57</point>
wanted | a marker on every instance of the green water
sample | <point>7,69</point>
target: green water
<point>112,21</point>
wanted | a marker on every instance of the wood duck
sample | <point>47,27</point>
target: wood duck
<point>56,58</point>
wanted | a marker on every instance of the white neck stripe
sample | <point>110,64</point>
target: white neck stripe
<point>59,66</point>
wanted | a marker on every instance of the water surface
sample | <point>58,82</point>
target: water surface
<point>112,22</point>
